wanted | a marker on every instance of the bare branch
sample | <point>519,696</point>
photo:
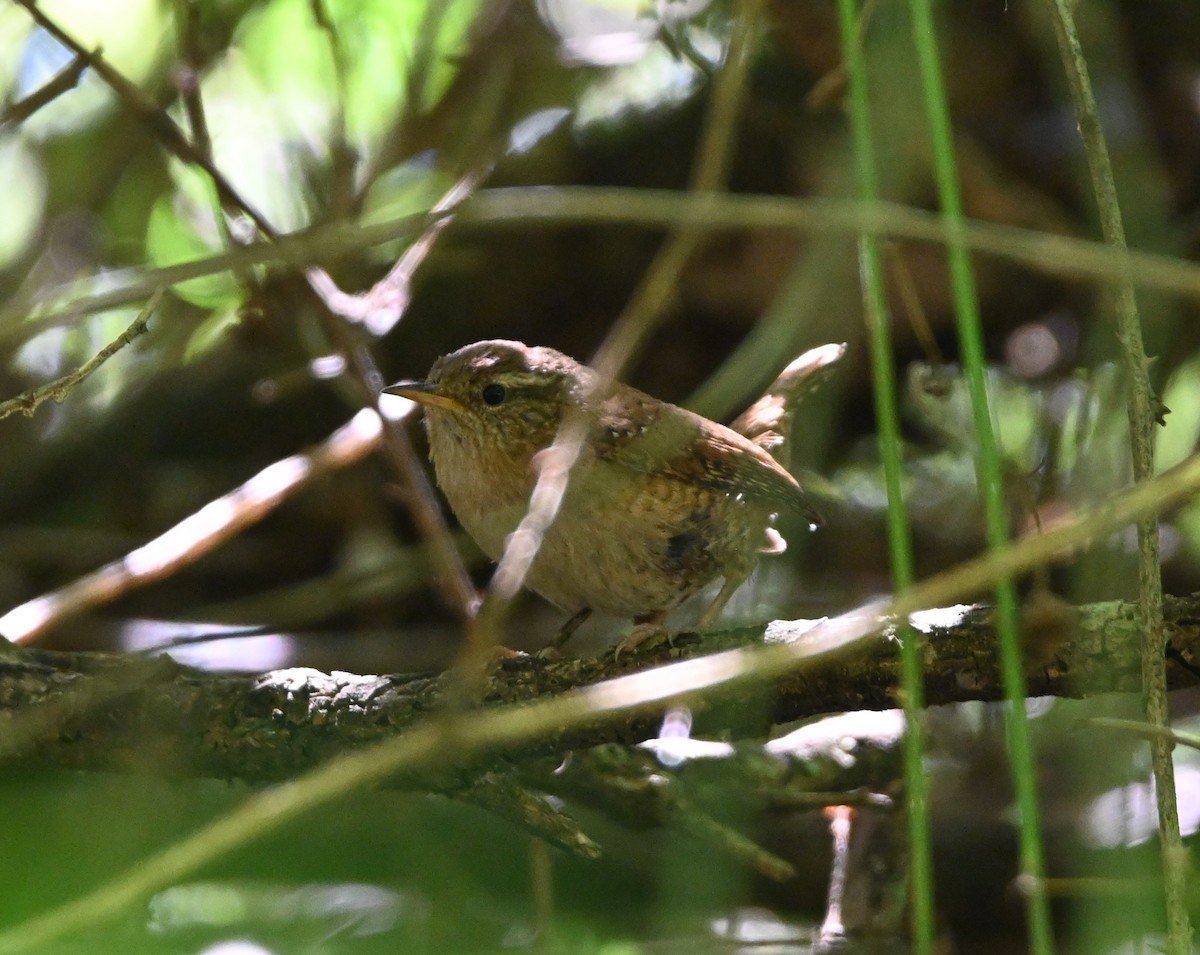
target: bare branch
<point>157,122</point>
<point>797,666</point>
<point>1057,255</point>
<point>116,578</point>
<point>28,402</point>
<point>196,534</point>
<point>281,723</point>
<point>62,82</point>
<point>384,304</point>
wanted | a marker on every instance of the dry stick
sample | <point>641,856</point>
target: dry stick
<point>453,577</point>
<point>393,293</point>
<point>914,310</point>
<point>381,308</point>
<point>1058,255</point>
<point>378,311</point>
<point>188,80</point>
<point>339,148</point>
<point>29,401</point>
<point>63,81</point>
<point>188,84</point>
<point>495,729</point>
<point>646,308</point>
<point>393,147</point>
<point>158,123</point>
<point>1142,416</point>
<point>198,533</point>
<point>1146,730</point>
<point>384,304</point>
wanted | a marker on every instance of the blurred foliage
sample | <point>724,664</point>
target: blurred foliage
<point>360,111</point>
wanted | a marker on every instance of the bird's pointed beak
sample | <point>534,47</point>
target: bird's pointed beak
<point>424,393</point>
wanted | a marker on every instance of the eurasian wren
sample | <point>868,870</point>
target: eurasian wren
<point>660,503</point>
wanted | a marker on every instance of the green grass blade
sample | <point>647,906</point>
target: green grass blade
<point>891,452</point>
<point>988,468</point>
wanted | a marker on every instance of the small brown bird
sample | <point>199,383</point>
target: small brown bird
<point>660,504</point>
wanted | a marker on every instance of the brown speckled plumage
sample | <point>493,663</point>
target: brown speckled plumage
<point>661,503</point>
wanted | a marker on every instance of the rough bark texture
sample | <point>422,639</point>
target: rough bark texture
<point>112,712</point>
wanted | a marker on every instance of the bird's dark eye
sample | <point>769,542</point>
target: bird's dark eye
<point>494,394</point>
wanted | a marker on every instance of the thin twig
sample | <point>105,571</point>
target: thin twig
<point>337,53</point>
<point>1058,255</point>
<point>188,84</point>
<point>158,123</point>
<point>656,292</point>
<point>830,89</point>
<point>342,156</point>
<point>914,309</point>
<point>188,77</point>
<point>382,307</point>
<point>451,575</point>
<point>197,534</point>
<point>394,145</point>
<point>384,304</point>
<point>62,82</point>
<point>1142,416</point>
<point>1146,730</point>
<point>28,402</point>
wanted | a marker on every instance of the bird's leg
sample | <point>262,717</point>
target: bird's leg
<point>568,629</point>
<point>728,589</point>
<point>646,626</point>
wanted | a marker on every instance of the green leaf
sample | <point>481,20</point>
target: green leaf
<point>170,239</point>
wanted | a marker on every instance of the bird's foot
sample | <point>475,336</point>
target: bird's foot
<point>648,629</point>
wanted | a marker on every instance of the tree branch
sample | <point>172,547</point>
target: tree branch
<point>28,402</point>
<point>116,712</point>
<point>198,533</point>
<point>153,118</point>
<point>61,82</point>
